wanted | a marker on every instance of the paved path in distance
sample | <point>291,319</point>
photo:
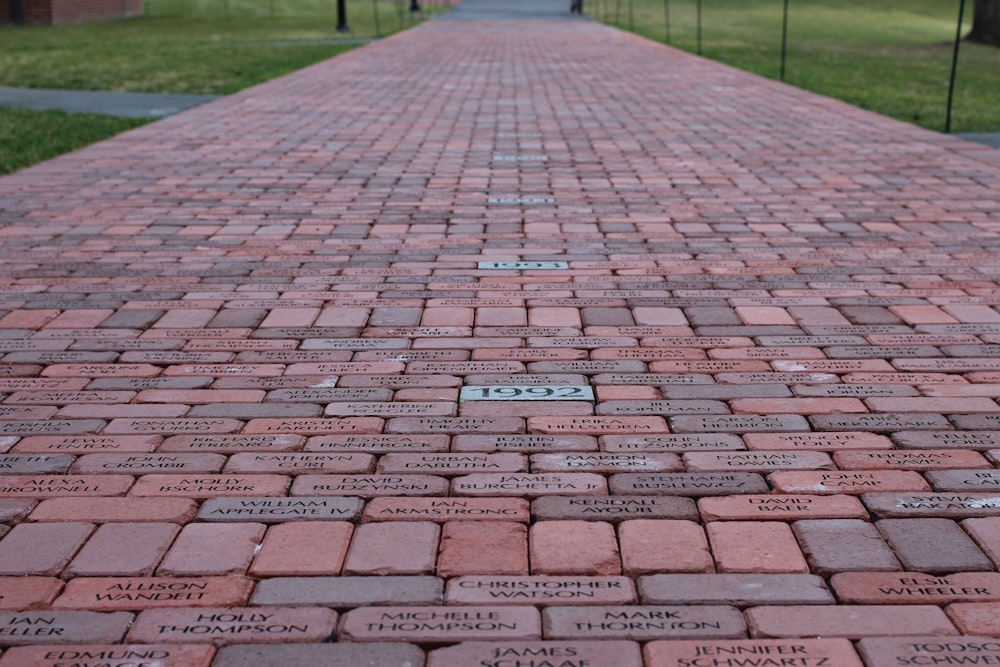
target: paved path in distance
<point>496,343</point>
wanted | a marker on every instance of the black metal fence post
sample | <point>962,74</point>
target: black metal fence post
<point>699,28</point>
<point>342,16</point>
<point>378,24</point>
<point>666,18</point>
<point>784,39</point>
<point>954,66</point>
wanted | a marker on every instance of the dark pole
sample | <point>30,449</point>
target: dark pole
<point>631,16</point>
<point>15,12</point>
<point>954,66</point>
<point>666,17</point>
<point>342,16</point>
<point>699,27</point>
<point>414,6</point>
<point>378,25</point>
<point>784,39</point>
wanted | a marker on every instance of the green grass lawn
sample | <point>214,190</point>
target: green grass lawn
<point>890,56</point>
<point>181,46</point>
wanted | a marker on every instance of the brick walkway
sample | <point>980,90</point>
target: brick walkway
<point>256,359</point>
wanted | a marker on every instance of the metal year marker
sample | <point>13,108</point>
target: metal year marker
<point>522,392</point>
<point>523,266</point>
<point>521,200</point>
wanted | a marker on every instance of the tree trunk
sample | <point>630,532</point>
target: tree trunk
<point>986,23</point>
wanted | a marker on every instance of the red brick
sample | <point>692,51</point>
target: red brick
<point>927,459</point>
<point>41,548</point>
<point>69,627</point>
<point>986,533</point>
<point>680,653</point>
<point>123,549</point>
<point>109,510</point>
<point>203,549</point>
<point>916,588</point>
<point>375,549</point>
<point>501,589</point>
<point>177,655</point>
<point>348,592</point>
<point>588,653</point>
<point>775,507</point>
<point>210,486</point>
<point>446,509</point>
<point>54,486</point>
<point>889,651</point>
<point>649,547</point>
<point>741,590</point>
<point>477,547</point>
<point>976,618</point>
<point>850,621</point>
<point>936,546</point>
<point>135,593</point>
<point>848,482</point>
<point>234,625</point>
<point>574,547</point>
<point>755,546</point>
<point>643,623</point>
<point>24,593</point>
<point>343,654</point>
<point>303,548</point>
<point>843,545</point>
<point>437,625</point>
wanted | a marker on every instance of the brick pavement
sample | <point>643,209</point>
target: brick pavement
<point>488,341</point>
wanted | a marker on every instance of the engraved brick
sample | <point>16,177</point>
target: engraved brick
<point>234,625</point>
<point>136,593</point>
<point>688,483</point>
<point>818,442</point>
<point>527,444</point>
<point>141,464</point>
<point>677,443</point>
<point>762,461</point>
<point>210,486</point>
<point>613,508</point>
<point>927,459</point>
<point>643,623</point>
<point>605,463</point>
<point>848,482</point>
<point>776,507</point>
<point>540,590</point>
<point>437,625</point>
<point>166,655</point>
<point>739,424</point>
<point>915,587</point>
<point>61,627</point>
<point>596,425</point>
<point>369,486</point>
<point>448,465</point>
<point>529,485</point>
<point>902,505</point>
<point>890,651</point>
<point>679,653</point>
<point>293,463</point>
<point>446,509</point>
<point>588,653</point>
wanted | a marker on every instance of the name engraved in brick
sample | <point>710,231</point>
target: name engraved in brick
<point>526,393</point>
<point>317,426</point>
<point>781,507</point>
<point>929,650</point>
<point>688,483</point>
<point>653,379</point>
<point>544,590</point>
<point>623,462</point>
<point>452,464</point>
<point>643,623</point>
<point>54,486</point>
<point>847,482</point>
<point>522,266</point>
<point>369,486</point>
<point>137,593</point>
<point>378,444</point>
<point>529,485</point>
<point>915,587</point>
<point>296,464</point>
<point>139,464</point>
<point>920,505</point>
<point>755,653</point>
<point>758,461</point>
<point>180,425</point>
<point>210,486</point>
<point>222,626</point>
<point>60,426</point>
<point>35,464</point>
<point>596,425</point>
<point>232,443</point>
<point>975,440</point>
<point>520,200</point>
<point>440,624</point>
<point>446,509</point>
<point>880,422</point>
<point>105,655</point>
<point>60,627</point>
<point>671,443</point>
<point>351,409</point>
<point>80,444</point>
<point>819,442</point>
<point>928,459</point>
<point>273,510</point>
<point>739,423</point>
<point>326,395</point>
<point>613,508</point>
<point>524,443</point>
<point>550,653</point>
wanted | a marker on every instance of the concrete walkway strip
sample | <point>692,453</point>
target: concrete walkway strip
<point>129,105</point>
